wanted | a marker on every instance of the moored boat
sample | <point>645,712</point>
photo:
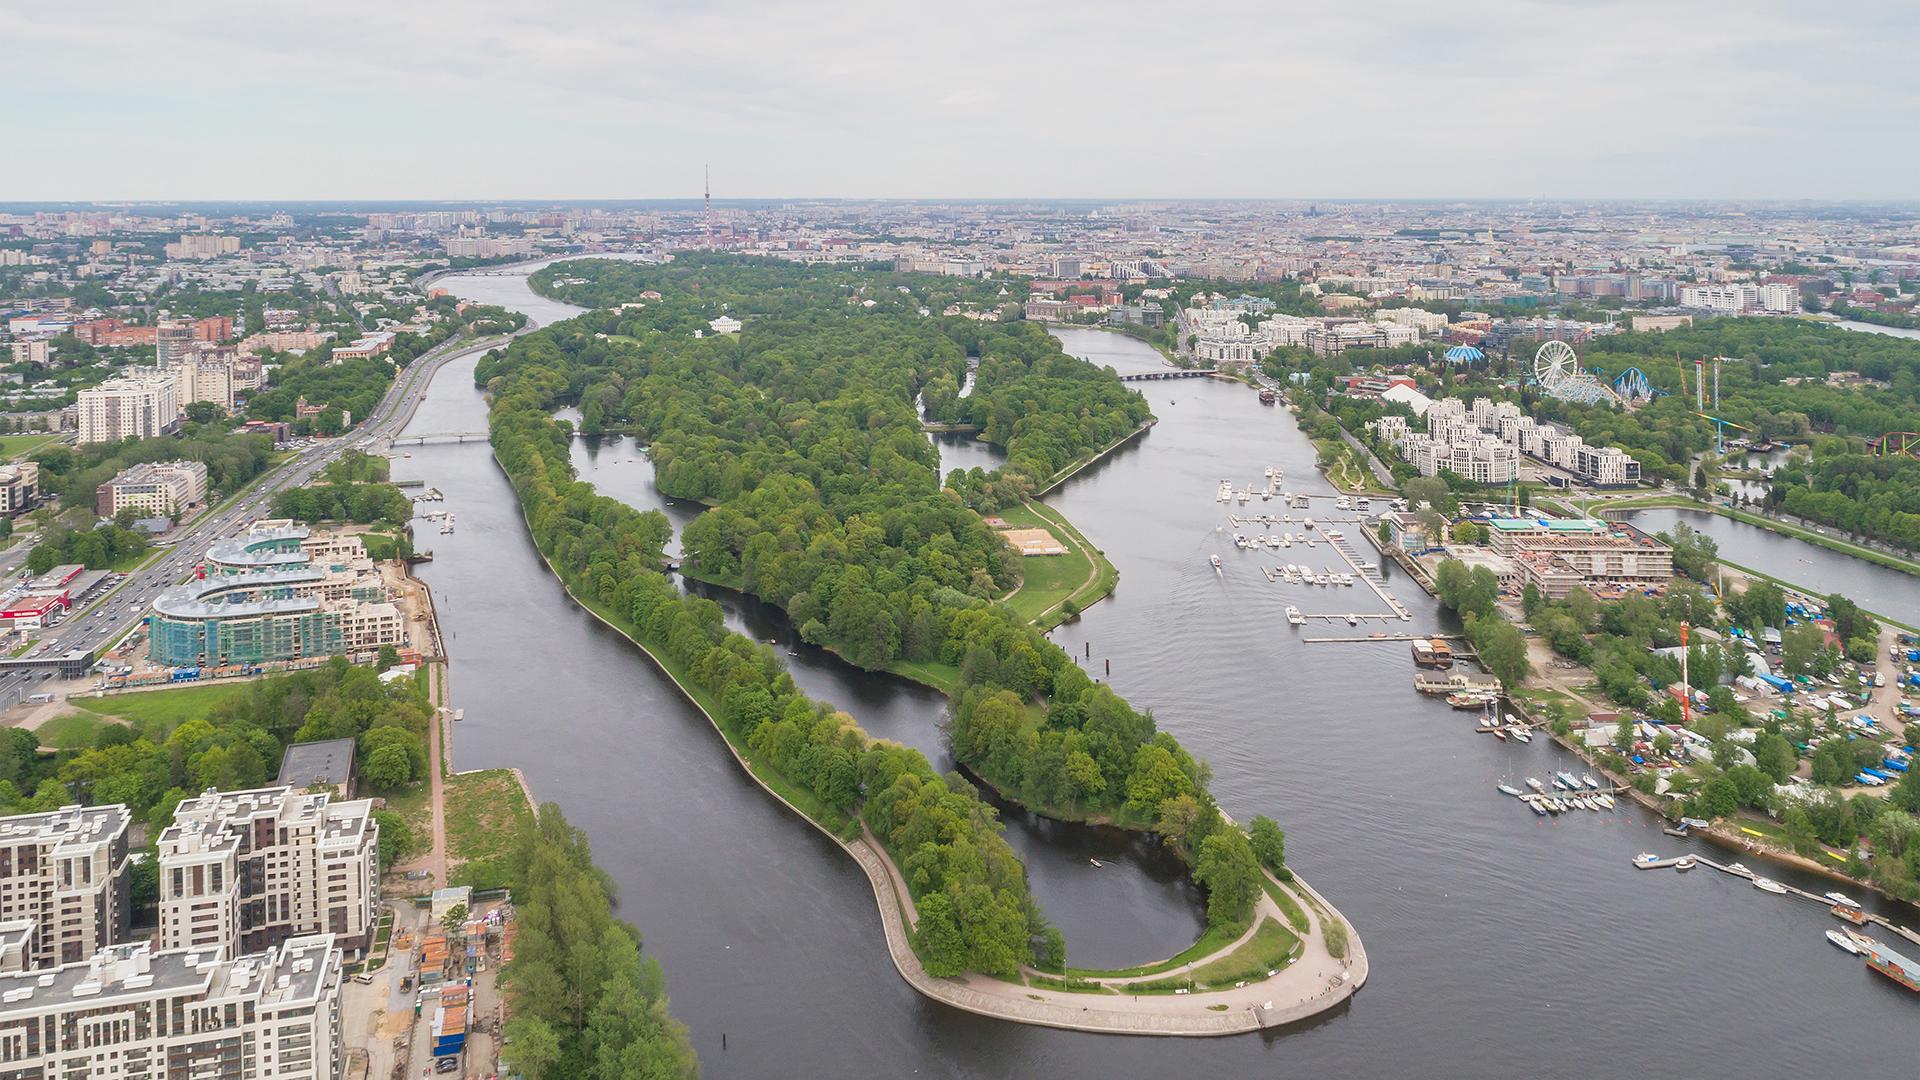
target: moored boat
<point>1770,886</point>
<point>1842,941</point>
<point>1535,784</point>
<point>1843,900</point>
<point>1294,616</point>
<point>1509,789</point>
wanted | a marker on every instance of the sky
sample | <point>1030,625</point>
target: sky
<point>483,99</point>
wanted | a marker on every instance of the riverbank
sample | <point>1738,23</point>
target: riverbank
<point>1773,525</point>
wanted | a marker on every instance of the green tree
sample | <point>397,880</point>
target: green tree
<point>1268,841</point>
<point>388,769</point>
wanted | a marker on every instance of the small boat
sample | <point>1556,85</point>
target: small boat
<point>1769,885</point>
<point>1353,620</point>
<point>1676,830</point>
<point>1587,779</point>
<point>1509,789</point>
<point>1841,899</point>
<point>1646,860</point>
<point>1842,941</point>
<point>1537,808</point>
<point>1500,733</point>
<point>1605,801</point>
<point>1215,559</point>
<point>1520,733</point>
<point>1093,863</point>
<point>1685,863</point>
<point>1567,781</point>
<point>1851,914</point>
<point>1294,616</point>
<point>1740,869</point>
<point>1535,784</point>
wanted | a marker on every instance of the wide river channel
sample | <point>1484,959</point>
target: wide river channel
<point>1502,944</point>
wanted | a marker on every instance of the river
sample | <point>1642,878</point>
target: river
<point>1501,943</point>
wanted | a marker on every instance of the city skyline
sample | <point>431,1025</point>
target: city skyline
<point>1509,100</point>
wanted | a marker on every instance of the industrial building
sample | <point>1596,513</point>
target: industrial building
<point>131,1013</point>
<point>241,871</point>
<point>63,885</point>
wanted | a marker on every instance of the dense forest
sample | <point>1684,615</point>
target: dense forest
<point>363,503</point>
<point>801,434</point>
<point>585,1004</point>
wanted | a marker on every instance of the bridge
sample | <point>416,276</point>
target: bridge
<point>438,436</point>
<point>1170,373</point>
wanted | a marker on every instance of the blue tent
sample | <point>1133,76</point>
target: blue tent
<point>1465,354</point>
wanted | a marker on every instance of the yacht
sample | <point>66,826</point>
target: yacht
<point>1215,559</point>
<point>1842,941</point>
<point>1843,899</point>
<point>1520,733</point>
<point>1294,616</point>
<point>1508,789</point>
<point>1769,885</point>
<point>1535,784</point>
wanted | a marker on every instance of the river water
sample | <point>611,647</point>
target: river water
<point>1502,944</point>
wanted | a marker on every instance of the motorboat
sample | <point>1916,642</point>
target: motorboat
<point>1685,863</point>
<point>1770,886</point>
<point>1509,789</point>
<point>1740,869</point>
<point>1095,863</point>
<point>1294,616</point>
<point>1215,559</point>
<point>1844,943</point>
<point>1520,733</point>
<point>1843,900</point>
<point>1536,784</point>
<point>1587,779</point>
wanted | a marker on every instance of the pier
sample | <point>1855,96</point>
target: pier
<point>1802,894</point>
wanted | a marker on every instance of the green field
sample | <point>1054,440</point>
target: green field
<point>1270,947</point>
<point>155,713</point>
<point>12,446</point>
<point>485,814</point>
<point>1081,576</point>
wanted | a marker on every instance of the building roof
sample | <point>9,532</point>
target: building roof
<point>297,971</point>
<point>201,599</point>
<point>327,762</point>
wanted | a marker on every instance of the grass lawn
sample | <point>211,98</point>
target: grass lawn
<point>12,446</point>
<point>71,731</point>
<point>1271,946</point>
<point>1046,580</point>
<point>1296,916</point>
<point>416,807</point>
<point>485,814</point>
<point>1215,939</point>
<point>942,677</point>
<point>157,712</point>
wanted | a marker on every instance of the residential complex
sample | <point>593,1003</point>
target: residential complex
<point>19,487</point>
<point>154,489</point>
<point>275,593</point>
<point>141,406</point>
<point>1484,443</point>
<point>130,1012</point>
<point>241,871</point>
<point>63,885</point>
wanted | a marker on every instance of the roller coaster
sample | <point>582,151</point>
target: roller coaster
<point>1895,442</point>
<point>1632,386</point>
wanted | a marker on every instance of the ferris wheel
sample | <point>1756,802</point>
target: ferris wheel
<point>1555,363</point>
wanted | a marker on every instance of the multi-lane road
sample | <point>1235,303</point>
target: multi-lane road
<point>73,645</point>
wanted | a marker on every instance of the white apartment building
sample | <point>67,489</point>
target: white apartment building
<point>65,873</point>
<point>140,406</point>
<point>31,351</point>
<point>131,1013</point>
<point>1463,440</point>
<point>1426,323</point>
<point>241,871</point>
<point>203,246</point>
<point>154,489</point>
<point>1742,297</point>
<point>205,380</point>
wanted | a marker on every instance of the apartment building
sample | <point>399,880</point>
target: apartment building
<point>132,1013</point>
<point>154,489</point>
<point>203,246</point>
<point>143,406</point>
<point>242,871</point>
<point>64,875</point>
<point>19,487</point>
<point>173,341</point>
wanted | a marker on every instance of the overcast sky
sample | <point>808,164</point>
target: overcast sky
<point>483,99</point>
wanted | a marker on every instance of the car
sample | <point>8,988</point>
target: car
<point>446,1065</point>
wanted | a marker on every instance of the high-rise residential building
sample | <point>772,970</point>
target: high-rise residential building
<point>64,873</point>
<point>241,871</point>
<point>131,1013</point>
<point>202,246</point>
<point>172,341</point>
<point>138,406</point>
<point>154,489</point>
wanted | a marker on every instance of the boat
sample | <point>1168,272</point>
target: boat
<point>1739,869</point>
<point>1842,941</point>
<point>1769,885</point>
<point>1509,789</point>
<point>1215,559</point>
<point>1294,616</point>
<point>1893,965</point>
<point>1308,523</point>
<point>1587,779</point>
<point>1851,914</point>
<point>1566,780</point>
<point>1605,801</point>
<point>1499,733</point>
<point>1646,860</point>
<point>1520,733</point>
<point>1093,862</point>
<point>1353,620</point>
<point>1466,699</point>
<point>1684,863</point>
<point>1535,784</point>
<point>1536,807</point>
<point>1676,830</point>
<point>1841,899</point>
<point>1268,397</point>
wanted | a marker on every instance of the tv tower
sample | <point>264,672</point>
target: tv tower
<point>709,207</point>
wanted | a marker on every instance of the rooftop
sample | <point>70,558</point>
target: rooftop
<point>294,972</point>
<point>307,763</point>
<point>69,826</point>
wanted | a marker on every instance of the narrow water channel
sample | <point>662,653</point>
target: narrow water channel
<point>1502,944</point>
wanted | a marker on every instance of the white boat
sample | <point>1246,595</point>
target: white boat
<point>1842,941</point>
<point>1294,616</point>
<point>1215,559</point>
<point>1535,806</point>
<point>1646,860</point>
<point>1843,899</point>
<point>1520,733</point>
<point>1769,885</point>
<point>1605,800</point>
<point>1508,789</point>
<point>1684,863</point>
<point>1587,779</point>
<point>1308,523</point>
<point>1353,620</point>
<point>1535,784</point>
<point>1740,869</point>
<point>1093,862</point>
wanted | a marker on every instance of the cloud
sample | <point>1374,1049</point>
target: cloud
<point>489,99</point>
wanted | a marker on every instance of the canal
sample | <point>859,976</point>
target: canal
<point>1501,943</point>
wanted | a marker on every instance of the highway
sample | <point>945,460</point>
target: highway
<point>87,631</point>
